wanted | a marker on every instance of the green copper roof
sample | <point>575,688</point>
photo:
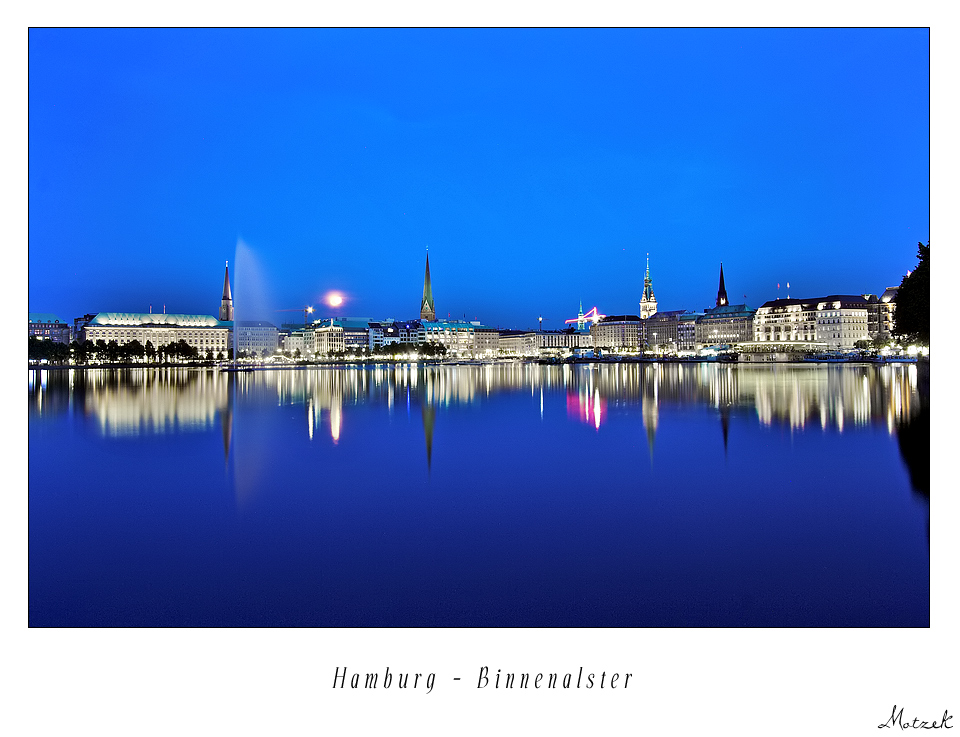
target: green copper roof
<point>157,318</point>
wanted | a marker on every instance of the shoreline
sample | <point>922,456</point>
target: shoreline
<point>475,362</point>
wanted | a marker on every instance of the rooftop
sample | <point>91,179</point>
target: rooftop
<point>158,318</point>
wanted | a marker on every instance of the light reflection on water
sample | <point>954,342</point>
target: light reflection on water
<point>481,495</point>
<point>135,401</point>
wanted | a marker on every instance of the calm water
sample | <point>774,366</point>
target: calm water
<point>505,495</point>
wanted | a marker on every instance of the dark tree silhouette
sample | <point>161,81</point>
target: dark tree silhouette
<point>912,318</point>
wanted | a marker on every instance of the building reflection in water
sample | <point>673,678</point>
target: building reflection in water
<point>142,401</point>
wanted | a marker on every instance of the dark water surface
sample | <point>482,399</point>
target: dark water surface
<point>502,495</point>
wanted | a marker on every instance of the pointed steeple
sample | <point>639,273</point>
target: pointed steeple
<point>226,301</point>
<point>648,302</point>
<point>722,291</point>
<point>427,310</point>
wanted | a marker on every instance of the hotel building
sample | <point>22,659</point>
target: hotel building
<point>203,332</point>
<point>47,326</point>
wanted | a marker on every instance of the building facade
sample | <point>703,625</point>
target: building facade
<point>881,313</point>
<point>303,340</point>
<point>521,343</point>
<point>328,339</point>
<point>842,321</point>
<point>562,342</point>
<point>256,337</point>
<point>661,331</point>
<point>203,332</point>
<point>725,324</point>
<point>687,331</point>
<point>457,336</point>
<point>47,326</point>
<point>486,341</point>
<point>786,323</point>
<point>835,322</point>
<point>618,333</point>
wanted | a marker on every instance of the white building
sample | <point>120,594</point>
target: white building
<point>328,339</point>
<point>203,332</point>
<point>303,340</point>
<point>835,322</point>
<point>457,336</point>
<point>842,321</point>
<point>256,336</point>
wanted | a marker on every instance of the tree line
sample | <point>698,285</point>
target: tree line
<point>112,352</point>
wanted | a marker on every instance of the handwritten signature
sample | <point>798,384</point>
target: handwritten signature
<point>896,720</point>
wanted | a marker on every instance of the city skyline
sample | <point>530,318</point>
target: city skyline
<point>340,156</point>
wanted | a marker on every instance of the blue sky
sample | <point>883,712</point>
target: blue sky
<point>539,166</point>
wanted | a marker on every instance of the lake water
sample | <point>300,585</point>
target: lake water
<point>623,495</point>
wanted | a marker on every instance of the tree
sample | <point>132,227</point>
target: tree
<point>36,349</point>
<point>912,316</point>
<point>135,349</point>
<point>150,350</point>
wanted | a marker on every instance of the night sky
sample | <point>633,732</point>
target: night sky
<point>540,167</point>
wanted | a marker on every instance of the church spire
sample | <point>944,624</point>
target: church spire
<point>226,301</point>
<point>722,291</point>
<point>427,310</point>
<point>648,302</point>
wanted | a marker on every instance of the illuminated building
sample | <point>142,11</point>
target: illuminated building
<point>518,342</point>
<point>618,332</point>
<point>356,332</point>
<point>301,339</point>
<point>648,302</point>
<point>687,331</point>
<point>725,324</point>
<point>836,322</point>
<point>457,336</point>
<point>787,322</point>
<point>427,310</point>
<point>842,321</point>
<point>390,332</point>
<point>660,330</point>
<point>46,326</point>
<point>256,336</point>
<point>328,339</point>
<point>226,301</point>
<point>462,338</point>
<point>888,309</point>
<point>203,332</point>
<point>486,341</point>
<point>880,313</point>
<point>562,341</point>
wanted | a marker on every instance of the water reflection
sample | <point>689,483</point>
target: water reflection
<point>144,401</point>
<point>133,401</point>
<point>138,401</point>
<point>331,468</point>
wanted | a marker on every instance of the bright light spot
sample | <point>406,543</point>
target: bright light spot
<point>334,299</point>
